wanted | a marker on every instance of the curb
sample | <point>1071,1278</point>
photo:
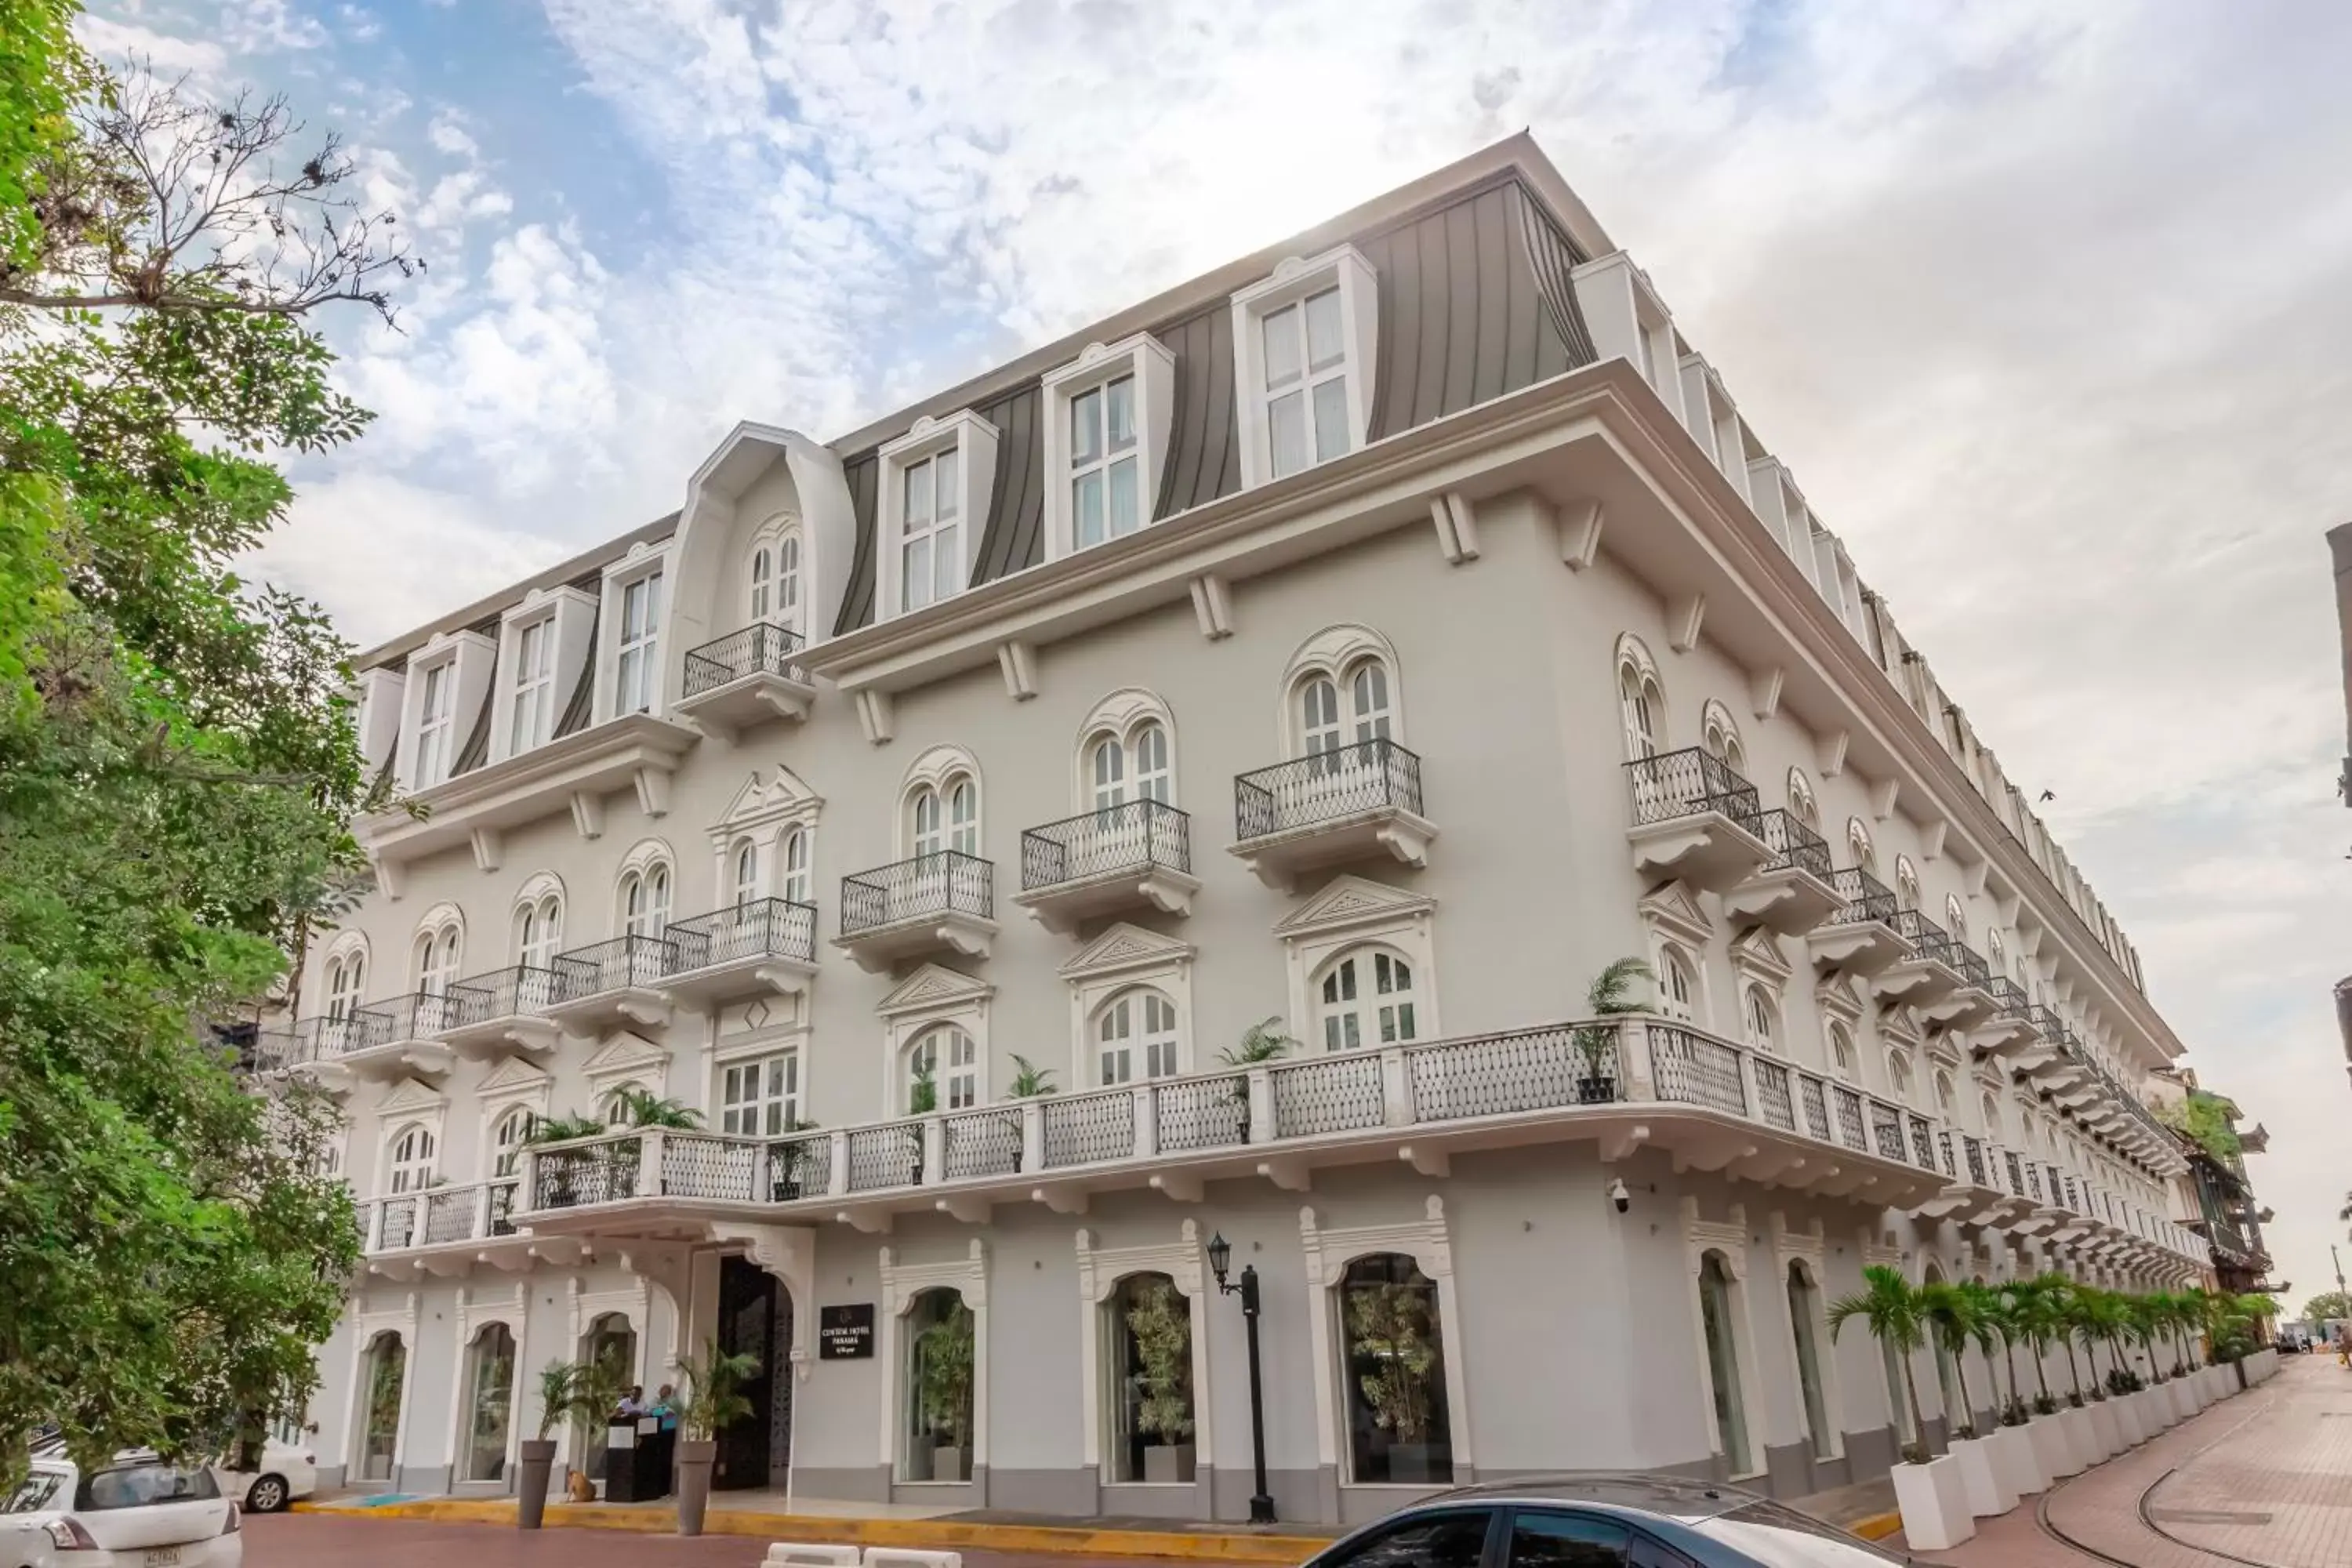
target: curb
<point>1270,1550</point>
<point>1877,1527</point>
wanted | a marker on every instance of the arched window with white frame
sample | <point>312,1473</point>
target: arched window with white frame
<point>1365,997</point>
<point>761,579</point>
<point>617,1107</point>
<point>797,886</point>
<point>945,817</point>
<point>1762,1018</point>
<point>539,932</point>
<point>507,1136</point>
<point>1135,1037</point>
<point>1677,984</point>
<point>1641,700</point>
<point>410,1167</point>
<point>1996,953</point>
<point>1719,735</point>
<point>1907,884</point>
<point>439,952</point>
<point>744,864</point>
<point>1990,1109</point>
<point>1898,1076</point>
<point>1842,1058</point>
<point>1859,845</point>
<point>1801,804</point>
<point>1947,1103</point>
<point>1956,919</point>
<point>346,983</point>
<point>788,582</point>
<point>645,900</point>
<point>947,1060</point>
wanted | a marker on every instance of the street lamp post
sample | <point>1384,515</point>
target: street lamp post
<point>1220,1254</point>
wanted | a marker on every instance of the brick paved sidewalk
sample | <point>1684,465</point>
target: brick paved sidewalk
<point>2279,1458</point>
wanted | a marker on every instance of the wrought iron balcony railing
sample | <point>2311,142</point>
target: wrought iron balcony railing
<point>1866,898</point>
<point>422,1015</point>
<point>947,882</point>
<point>336,1034</point>
<point>1369,776</point>
<point>1688,783</point>
<point>1140,835</point>
<point>756,650</point>
<point>2012,999</point>
<point>524,991</point>
<point>1928,939</point>
<point>1974,970</point>
<point>757,928</point>
<point>634,962</point>
<point>1794,845</point>
<point>437,1217</point>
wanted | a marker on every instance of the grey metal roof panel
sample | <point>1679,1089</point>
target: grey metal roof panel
<point>862,472</point>
<point>582,705</point>
<point>477,748</point>
<point>1205,449</point>
<point>1015,534</point>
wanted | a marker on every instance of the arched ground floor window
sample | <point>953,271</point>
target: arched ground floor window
<point>1719,1321</point>
<point>387,1372</point>
<point>490,1412</point>
<point>611,1343</point>
<point>1148,1381</point>
<point>1805,1321</point>
<point>941,1348</point>
<point>1393,1354</point>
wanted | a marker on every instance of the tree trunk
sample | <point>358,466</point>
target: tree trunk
<point>2041,1373</point>
<point>1968,1421</point>
<point>1911,1387</point>
<point>2074,1370</point>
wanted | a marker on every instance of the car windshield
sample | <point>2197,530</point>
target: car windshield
<point>34,1493</point>
<point>143,1486</point>
<point>1783,1538</point>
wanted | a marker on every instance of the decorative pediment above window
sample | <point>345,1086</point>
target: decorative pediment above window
<point>1346,903</point>
<point>1899,1027</point>
<point>1671,907</point>
<point>1757,955</point>
<point>1126,949</point>
<point>627,1057</point>
<point>780,798</point>
<point>515,1080</point>
<point>1727,1239</point>
<point>1839,997</point>
<point>931,989</point>
<point>411,1098</point>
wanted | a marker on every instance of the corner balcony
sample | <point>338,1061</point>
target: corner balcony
<point>612,985</point>
<point>1792,893</point>
<point>1859,936</point>
<point>941,902</point>
<point>1973,1001</point>
<point>758,946</point>
<point>1358,802</point>
<point>443,1231</point>
<point>1695,821</point>
<point>746,678</point>
<point>504,1012</point>
<point>1135,855</point>
<point>1621,1083</point>
<point>1929,974</point>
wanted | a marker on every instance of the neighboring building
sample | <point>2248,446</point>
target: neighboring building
<point>2339,546</point>
<point>2215,1196</point>
<point>1380,634</point>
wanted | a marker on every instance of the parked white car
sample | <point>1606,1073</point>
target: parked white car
<point>138,1513</point>
<point>286,1473</point>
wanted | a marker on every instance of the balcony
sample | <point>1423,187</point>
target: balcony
<point>1135,855</point>
<point>2010,1030</point>
<point>1355,803</point>
<point>1695,821</point>
<point>505,1011</point>
<point>944,901</point>
<point>1973,1001</point>
<point>403,1036</point>
<point>1859,937</point>
<point>1928,974</point>
<point>1794,893</point>
<point>375,1041</point>
<point>1975,1193</point>
<point>1623,1083</point>
<point>444,1230</point>
<point>760,945</point>
<point>747,677</point>
<point>610,984</point>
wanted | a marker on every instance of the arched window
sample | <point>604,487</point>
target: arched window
<point>346,983</point>
<point>1956,919</point>
<point>946,1058</point>
<point>1719,1323</point>
<point>645,900</point>
<point>388,1379</point>
<point>1801,805</point>
<point>1148,1379</point>
<point>492,1355</point>
<point>507,1136</point>
<point>1907,884</point>
<point>1367,998</point>
<point>438,954</point>
<point>761,578</point>
<point>412,1159</point>
<point>1992,1108</point>
<point>1677,986</point>
<point>1996,953</point>
<point>788,583</point>
<point>746,873</point>
<point>1641,700</point>
<point>1858,844</point>
<point>797,888</point>
<point>1898,1076</point>
<point>1720,736</point>
<point>1368,699</point>
<point>1347,711</point>
<point>539,932</point>
<point>945,817</point>
<point>1806,1321</point>
<point>1947,1104</point>
<point>938,1381</point>
<point>1762,1015</point>
<point>1399,1425</point>
<point>615,1109</point>
<point>1841,1051</point>
<point>1136,1032</point>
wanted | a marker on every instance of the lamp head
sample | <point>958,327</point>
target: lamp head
<point>1221,1255</point>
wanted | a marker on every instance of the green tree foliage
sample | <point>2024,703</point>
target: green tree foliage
<point>2333,1304</point>
<point>177,768</point>
<point>2202,1118</point>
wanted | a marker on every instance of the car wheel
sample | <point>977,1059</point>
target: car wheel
<point>266,1495</point>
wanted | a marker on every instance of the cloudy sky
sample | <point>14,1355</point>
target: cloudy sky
<point>2048,302</point>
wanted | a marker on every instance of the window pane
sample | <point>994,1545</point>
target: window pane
<point>916,590</point>
<point>946,463</point>
<point>1087,505</point>
<point>1280,334</point>
<point>1446,1541</point>
<point>1326,344</point>
<point>1566,1540</point>
<point>919,495</point>
<point>1120,409</point>
<point>1331,418</point>
<point>1085,427</point>
<point>1123,517</point>
<point>1285,420</point>
<point>949,561</point>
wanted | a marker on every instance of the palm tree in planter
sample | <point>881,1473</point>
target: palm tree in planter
<point>1030,1081</point>
<point>569,1391</point>
<point>645,1109</point>
<point>1162,1326</point>
<point>1889,1308</point>
<point>2033,1308</point>
<point>711,1398</point>
<point>1388,1325</point>
<point>1949,1315</point>
<point>1611,996</point>
<point>1996,1321</point>
<point>2145,1317</point>
<point>559,1178</point>
<point>2063,1300</point>
<point>1262,1042</point>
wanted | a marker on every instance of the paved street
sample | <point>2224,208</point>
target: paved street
<point>2264,1478</point>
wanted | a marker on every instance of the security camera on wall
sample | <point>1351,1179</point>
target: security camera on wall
<point>1619,1193</point>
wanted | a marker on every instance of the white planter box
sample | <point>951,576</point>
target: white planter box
<point>2083,1437</point>
<point>2184,1397</point>
<point>1934,1504</point>
<point>2015,1462</point>
<point>2109,1426</point>
<point>1987,1493</point>
<point>2225,1384</point>
<point>2131,1430</point>
<point>2156,1410</point>
<point>2053,1444</point>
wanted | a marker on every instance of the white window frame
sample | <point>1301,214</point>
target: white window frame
<point>529,706</point>
<point>412,1172</point>
<point>564,619</point>
<point>636,651</point>
<point>1385,1014</point>
<point>925,1000</point>
<point>1351,912</point>
<point>959,1085</point>
<point>1292,282</point>
<point>1153,368</point>
<point>439,952</point>
<point>973,439</point>
<point>644,563</point>
<point>1641,695</point>
<point>434,732</point>
<point>1123,1029</point>
<point>1719,737</point>
<point>771,1108</point>
<point>536,928</point>
<point>343,977</point>
<point>1120,961</point>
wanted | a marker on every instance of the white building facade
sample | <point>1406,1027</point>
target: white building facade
<point>1378,636</point>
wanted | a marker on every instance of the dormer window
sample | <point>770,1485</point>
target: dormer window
<point>934,487</point>
<point>531,704</point>
<point>635,680</point>
<point>774,578</point>
<point>436,725</point>
<point>1107,424</point>
<point>543,646</point>
<point>1304,347</point>
<point>448,680</point>
<point>1104,489</point>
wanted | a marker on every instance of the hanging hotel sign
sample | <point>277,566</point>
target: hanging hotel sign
<point>846,1333</point>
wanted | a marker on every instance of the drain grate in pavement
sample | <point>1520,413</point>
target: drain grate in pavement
<point>2205,1515</point>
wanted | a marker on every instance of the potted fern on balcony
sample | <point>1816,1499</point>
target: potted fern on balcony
<point>710,1398</point>
<point>1262,1042</point>
<point>1609,996</point>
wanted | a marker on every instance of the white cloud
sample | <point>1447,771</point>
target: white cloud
<point>115,41</point>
